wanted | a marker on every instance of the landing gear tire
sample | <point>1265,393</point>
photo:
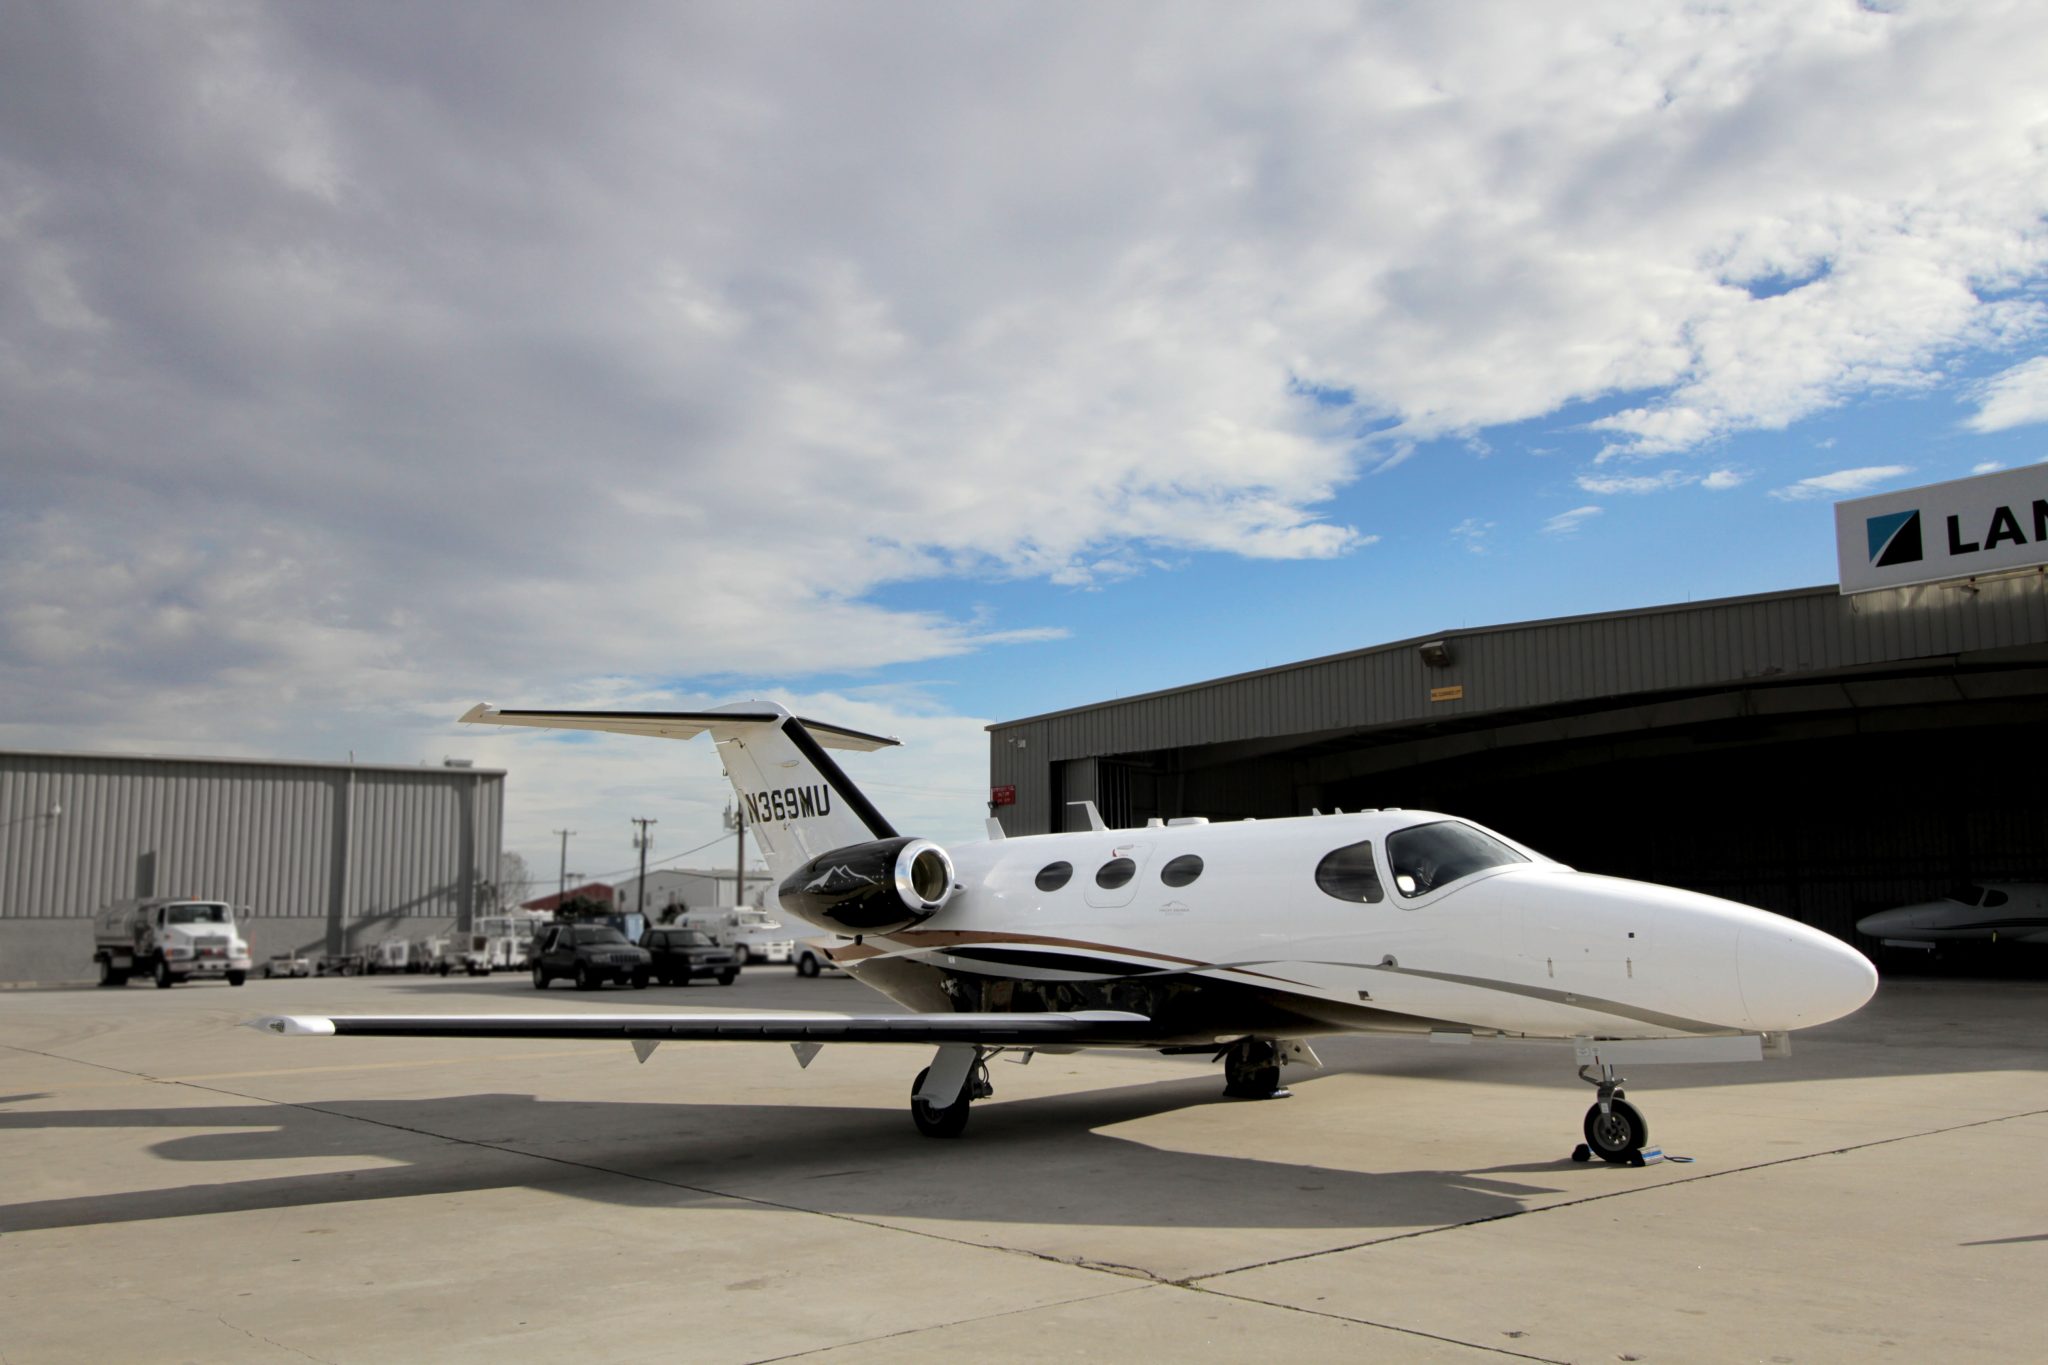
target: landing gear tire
<point>1616,1134</point>
<point>540,978</point>
<point>934,1122</point>
<point>1251,1070</point>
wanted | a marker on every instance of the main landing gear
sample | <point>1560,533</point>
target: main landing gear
<point>1251,1070</point>
<point>1615,1130</point>
<point>950,1120</point>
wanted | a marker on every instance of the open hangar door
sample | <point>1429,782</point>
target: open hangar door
<point>1819,800</point>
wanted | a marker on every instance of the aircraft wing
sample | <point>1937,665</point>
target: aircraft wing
<point>1102,1028</point>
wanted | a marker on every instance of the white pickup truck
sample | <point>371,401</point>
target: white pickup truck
<point>170,938</point>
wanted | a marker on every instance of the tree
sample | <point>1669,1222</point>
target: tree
<point>515,883</point>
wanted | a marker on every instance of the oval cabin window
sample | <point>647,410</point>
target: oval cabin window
<point>1116,872</point>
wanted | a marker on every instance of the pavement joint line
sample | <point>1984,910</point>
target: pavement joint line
<point>258,1336</point>
<point>1195,1281</point>
<point>943,1326</point>
<point>1487,1347</point>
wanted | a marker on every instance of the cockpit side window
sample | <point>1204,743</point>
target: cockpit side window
<point>1348,874</point>
<point>1425,857</point>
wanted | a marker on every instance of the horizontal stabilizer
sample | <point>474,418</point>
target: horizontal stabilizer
<point>672,724</point>
<point>1106,1028</point>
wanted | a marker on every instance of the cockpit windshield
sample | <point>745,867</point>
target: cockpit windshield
<point>197,914</point>
<point>1425,857</point>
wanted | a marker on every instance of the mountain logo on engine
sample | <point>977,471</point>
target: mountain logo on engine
<point>838,877</point>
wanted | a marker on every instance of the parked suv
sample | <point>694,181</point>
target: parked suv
<point>811,959</point>
<point>682,955</point>
<point>589,955</point>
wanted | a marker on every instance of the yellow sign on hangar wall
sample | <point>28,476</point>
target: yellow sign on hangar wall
<point>1455,692</point>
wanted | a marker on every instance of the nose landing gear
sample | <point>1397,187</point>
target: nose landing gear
<point>1615,1129</point>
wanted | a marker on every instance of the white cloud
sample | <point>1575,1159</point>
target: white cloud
<point>1472,534</point>
<point>1987,467</point>
<point>2017,397</point>
<point>394,372</point>
<point>1842,482</point>
<point>1568,523</point>
<point>1608,485</point>
<point>1722,480</point>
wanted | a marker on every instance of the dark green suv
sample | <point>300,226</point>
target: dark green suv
<point>589,955</point>
<point>682,955</point>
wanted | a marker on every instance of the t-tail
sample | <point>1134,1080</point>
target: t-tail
<point>798,803</point>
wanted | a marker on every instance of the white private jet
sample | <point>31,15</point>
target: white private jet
<point>1240,940</point>
<point>2016,912</point>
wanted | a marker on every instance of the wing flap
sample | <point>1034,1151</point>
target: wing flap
<point>1106,1028</point>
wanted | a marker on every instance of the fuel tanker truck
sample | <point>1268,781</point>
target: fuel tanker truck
<point>170,939</point>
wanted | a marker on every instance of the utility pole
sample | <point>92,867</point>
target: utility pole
<point>736,821</point>
<point>642,842</point>
<point>562,890</point>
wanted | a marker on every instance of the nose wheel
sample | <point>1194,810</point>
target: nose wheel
<point>1615,1129</point>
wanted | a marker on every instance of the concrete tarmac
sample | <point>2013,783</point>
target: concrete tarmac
<point>177,1188</point>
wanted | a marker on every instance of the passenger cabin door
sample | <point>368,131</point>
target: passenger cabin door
<point>1113,880</point>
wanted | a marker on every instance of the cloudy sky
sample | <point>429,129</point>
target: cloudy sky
<point>924,365</point>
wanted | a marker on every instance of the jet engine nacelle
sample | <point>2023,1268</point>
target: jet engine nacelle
<point>871,888</point>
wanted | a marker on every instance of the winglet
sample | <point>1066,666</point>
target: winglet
<point>293,1025</point>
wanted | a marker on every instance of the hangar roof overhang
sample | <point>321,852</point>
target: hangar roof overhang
<point>78,757</point>
<point>1808,649</point>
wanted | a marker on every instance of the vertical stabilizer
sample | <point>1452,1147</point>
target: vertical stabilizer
<point>798,802</point>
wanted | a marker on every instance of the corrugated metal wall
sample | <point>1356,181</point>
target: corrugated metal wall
<point>1528,665</point>
<point>266,835</point>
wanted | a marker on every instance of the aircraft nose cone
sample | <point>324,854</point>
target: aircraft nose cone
<point>1885,922</point>
<point>1794,976</point>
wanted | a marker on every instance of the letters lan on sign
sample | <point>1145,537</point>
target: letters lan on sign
<point>2003,530</point>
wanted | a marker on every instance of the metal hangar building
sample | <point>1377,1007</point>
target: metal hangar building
<point>1815,754</point>
<point>327,857</point>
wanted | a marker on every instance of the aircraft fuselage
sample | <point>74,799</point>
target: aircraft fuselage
<point>1251,942</point>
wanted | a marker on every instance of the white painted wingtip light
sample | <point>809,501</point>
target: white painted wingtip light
<point>294,1025</point>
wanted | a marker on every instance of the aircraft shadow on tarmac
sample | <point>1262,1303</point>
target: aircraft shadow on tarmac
<point>1027,1161</point>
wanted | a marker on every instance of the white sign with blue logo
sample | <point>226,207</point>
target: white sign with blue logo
<point>1965,528</point>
